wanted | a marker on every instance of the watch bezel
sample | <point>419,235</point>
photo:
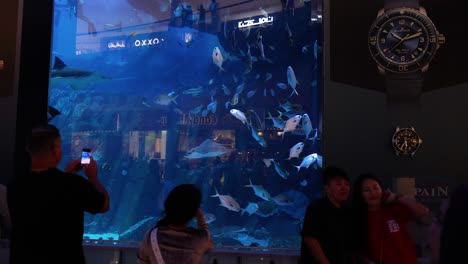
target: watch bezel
<point>411,65</point>
<point>398,150</point>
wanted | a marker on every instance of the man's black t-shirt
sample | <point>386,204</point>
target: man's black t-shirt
<point>47,210</point>
<point>331,226</point>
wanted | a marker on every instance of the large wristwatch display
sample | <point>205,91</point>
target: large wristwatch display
<point>403,41</point>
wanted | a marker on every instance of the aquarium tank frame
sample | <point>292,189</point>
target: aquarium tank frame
<point>251,127</point>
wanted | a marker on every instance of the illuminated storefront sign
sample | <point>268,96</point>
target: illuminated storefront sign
<point>190,120</point>
<point>116,44</point>
<point>120,42</point>
<point>251,22</point>
<point>147,42</point>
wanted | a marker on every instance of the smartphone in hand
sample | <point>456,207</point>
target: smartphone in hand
<point>85,156</point>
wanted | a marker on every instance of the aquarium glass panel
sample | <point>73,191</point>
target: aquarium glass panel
<point>226,95</point>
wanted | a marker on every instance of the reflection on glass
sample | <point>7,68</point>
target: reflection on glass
<point>179,93</point>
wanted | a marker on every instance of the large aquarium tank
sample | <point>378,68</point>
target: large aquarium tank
<point>223,94</point>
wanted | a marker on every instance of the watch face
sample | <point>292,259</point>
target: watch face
<point>403,40</point>
<point>406,141</point>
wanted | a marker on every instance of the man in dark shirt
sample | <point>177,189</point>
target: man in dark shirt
<point>327,223</point>
<point>47,205</point>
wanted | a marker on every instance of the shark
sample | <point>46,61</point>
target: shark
<point>75,78</point>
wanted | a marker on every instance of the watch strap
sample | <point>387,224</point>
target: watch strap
<point>403,87</point>
<point>392,4</point>
<point>403,98</point>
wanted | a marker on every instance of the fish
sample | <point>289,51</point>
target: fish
<point>235,99</point>
<point>213,93</point>
<point>240,88</point>
<point>239,115</point>
<point>260,140</point>
<point>250,209</point>
<point>277,121</point>
<point>226,90</point>
<point>289,33</point>
<point>306,125</point>
<point>267,162</point>
<point>291,123</point>
<point>292,81</point>
<point>292,113</point>
<point>51,113</point>
<point>282,86</point>
<point>218,58</point>
<point>282,173</point>
<point>303,183</point>
<point>222,179</point>
<point>209,218</point>
<point>259,191</point>
<point>286,106</point>
<point>296,150</point>
<point>307,161</point>
<point>315,137</point>
<point>212,106</point>
<point>227,201</point>
<point>74,78</point>
<point>282,200</point>
<point>251,93</point>
<point>164,99</point>
<point>197,110</point>
<point>268,76</point>
<point>319,161</point>
<point>305,49</point>
<point>193,91</point>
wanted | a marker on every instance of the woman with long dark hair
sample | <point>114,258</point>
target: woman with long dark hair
<point>381,218</point>
<point>172,240</point>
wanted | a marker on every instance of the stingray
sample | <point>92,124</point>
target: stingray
<point>207,149</point>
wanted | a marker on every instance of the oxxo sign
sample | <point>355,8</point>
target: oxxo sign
<point>147,42</point>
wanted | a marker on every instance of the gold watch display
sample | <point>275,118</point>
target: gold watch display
<point>406,141</point>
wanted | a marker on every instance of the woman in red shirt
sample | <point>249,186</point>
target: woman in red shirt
<point>381,218</point>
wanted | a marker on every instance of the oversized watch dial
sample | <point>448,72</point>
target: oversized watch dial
<point>403,40</point>
<point>406,141</point>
